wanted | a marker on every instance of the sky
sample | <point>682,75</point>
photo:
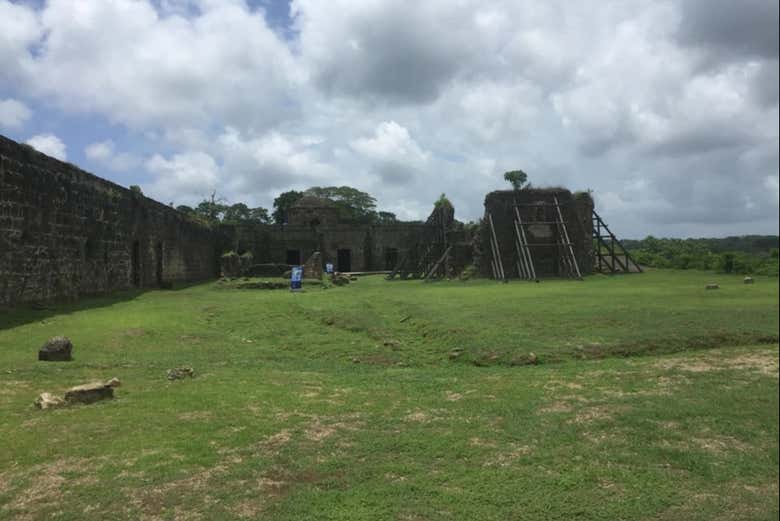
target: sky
<point>666,109</point>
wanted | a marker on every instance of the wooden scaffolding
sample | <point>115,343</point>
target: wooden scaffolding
<point>428,260</point>
<point>610,256</point>
<point>524,259</point>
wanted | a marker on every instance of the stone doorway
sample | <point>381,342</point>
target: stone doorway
<point>391,258</point>
<point>344,260</point>
<point>294,257</point>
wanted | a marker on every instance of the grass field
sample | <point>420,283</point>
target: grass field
<point>653,399</point>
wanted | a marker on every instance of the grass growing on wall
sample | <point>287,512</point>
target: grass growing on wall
<point>653,399</point>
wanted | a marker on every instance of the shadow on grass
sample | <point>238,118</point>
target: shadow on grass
<point>35,312</point>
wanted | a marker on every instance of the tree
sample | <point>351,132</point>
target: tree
<point>442,201</point>
<point>283,203</point>
<point>386,217</point>
<point>136,189</point>
<point>259,214</point>
<point>211,209</point>
<point>353,204</point>
<point>516,177</point>
<point>236,213</point>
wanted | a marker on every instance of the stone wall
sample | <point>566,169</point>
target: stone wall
<point>369,247</point>
<point>539,215</point>
<point>66,233</point>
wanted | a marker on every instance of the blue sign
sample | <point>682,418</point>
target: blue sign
<point>296,278</point>
<point>329,267</point>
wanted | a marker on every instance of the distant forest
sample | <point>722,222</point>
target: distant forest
<point>748,254</point>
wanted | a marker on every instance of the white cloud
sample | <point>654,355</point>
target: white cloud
<point>104,153</point>
<point>392,153</point>
<point>125,60</point>
<point>50,145</point>
<point>391,142</point>
<point>188,176</point>
<point>13,113</point>
<point>19,29</point>
<point>667,109</point>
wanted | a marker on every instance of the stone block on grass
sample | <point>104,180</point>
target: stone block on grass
<point>57,349</point>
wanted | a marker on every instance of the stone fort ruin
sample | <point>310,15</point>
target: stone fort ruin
<point>65,233</point>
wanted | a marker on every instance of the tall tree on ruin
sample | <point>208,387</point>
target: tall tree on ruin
<point>283,203</point>
<point>517,178</point>
<point>354,204</point>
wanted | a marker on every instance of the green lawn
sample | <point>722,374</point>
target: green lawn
<point>654,399</point>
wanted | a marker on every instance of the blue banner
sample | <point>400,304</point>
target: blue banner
<point>296,277</point>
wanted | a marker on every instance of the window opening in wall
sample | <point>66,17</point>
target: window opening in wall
<point>391,258</point>
<point>539,214</point>
<point>294,257</point>
<point>90,249</point>
<point>344,260</point>
<point>135,264</point>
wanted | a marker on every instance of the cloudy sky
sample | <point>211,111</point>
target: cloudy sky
<point>667,110</point>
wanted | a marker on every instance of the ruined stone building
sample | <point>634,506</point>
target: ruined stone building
<point>548,220</point>
<point>65,233</point>
<point>314,224</point>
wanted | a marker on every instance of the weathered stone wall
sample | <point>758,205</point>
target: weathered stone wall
<point>66,233</point>
<point>370,246</point>
<point>536,211</point>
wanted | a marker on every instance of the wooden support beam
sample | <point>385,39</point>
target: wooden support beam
<point>438,262</point>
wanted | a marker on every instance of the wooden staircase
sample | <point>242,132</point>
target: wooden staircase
<point>610,256</point>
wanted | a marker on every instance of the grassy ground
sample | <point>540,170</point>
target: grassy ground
<point>343,403</point>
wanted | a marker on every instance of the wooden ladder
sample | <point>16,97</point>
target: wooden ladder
<point>568,259</point>
<point>398,266</point>
<point>610,261</point>
<point>496,265</point>
<point>437,264</point>
<point>525,263</point>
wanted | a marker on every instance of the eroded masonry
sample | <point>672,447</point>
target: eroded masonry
<point>65,233</point>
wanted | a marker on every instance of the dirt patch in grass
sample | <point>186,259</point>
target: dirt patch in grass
<point>46,485</point>
<point>153,501</point>
<point>277,483</point>
<point>733,501</point>
<point>763,362</point>
<point>556,408</point>
<point>14,387</point>
<point>598,413</point>
<point>134,332</point>
<point>507,457</point>
<point>375,359</point>
<point>420,416</point>
<point>562,384</point>
<point>276,441</point>
<point>720,445</point>
<point>311,392</point>
<point>479,442</point>
<point>451,396</point>
<point>321,428</point>
<point>249,508</point>
<point>195,415</point>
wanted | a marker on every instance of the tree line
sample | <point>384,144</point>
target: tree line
<point>352,204</point>
<point>750,254</point>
